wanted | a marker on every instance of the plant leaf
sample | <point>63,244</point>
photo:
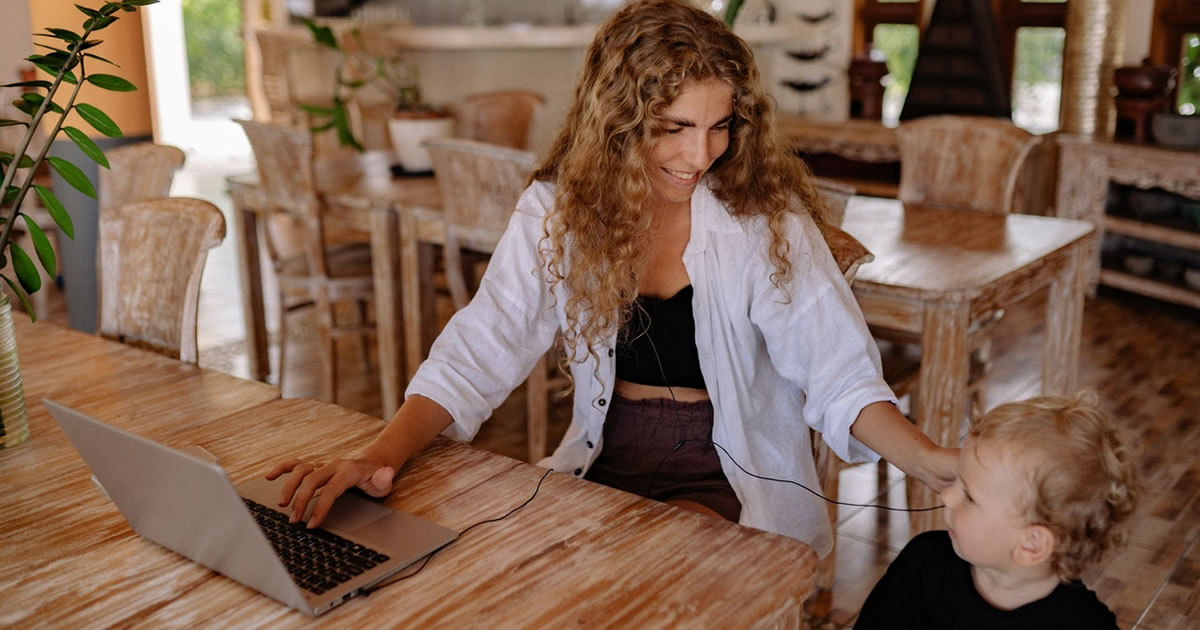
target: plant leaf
<point>99,58</point>
<point>322,35</point>
<point>9,123</point>
<point>21,296</point>
<point>37,99</point>
<point>56,210</point>
<point>25,107</point>
<point>110,82</point>
<point>11,194</point>
<point>138,3</point>
<point>26,272</point>
<point>98,120</point>
<point>91,43</point>
<point>33,84</point>
<point>72,175</point>
<point>89,12</point>
<point>6,159</point>
<point>64,34</point>
<point>110,8</point>
<point>51,67</point>
<point>100,23</point>
<point>86,145</point>
<point>41,245</point>
<point>317,109</point>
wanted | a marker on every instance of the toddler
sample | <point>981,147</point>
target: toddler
<point>1042,485</point>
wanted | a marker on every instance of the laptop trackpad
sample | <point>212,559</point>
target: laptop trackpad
<point>348,513</point>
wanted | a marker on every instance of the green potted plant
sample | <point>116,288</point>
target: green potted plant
<point>413,120</point>
<point>66,57</point>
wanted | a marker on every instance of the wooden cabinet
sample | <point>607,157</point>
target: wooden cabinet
<point>1088,166</point>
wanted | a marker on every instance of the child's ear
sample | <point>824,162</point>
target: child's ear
<point>1036,546</point>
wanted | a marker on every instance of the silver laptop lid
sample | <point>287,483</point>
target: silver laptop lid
<point>188,504</point>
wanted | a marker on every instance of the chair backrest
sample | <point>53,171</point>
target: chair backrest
<point>848,253</point>
<point>288,186</point>
<point>836,195</point>
<point>138,172</point>
<point>966,162</point>
<point>479,184</point>
<point>502,118</point>
<point>151,258</point>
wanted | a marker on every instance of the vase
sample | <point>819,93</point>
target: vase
<point>14,423</point>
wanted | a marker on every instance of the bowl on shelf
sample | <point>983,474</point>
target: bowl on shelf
<point>1139,264</point>
<point>1176,131</point>
<point>1151,204</point>
<point>1191,277</point>
<point>1148,80</point>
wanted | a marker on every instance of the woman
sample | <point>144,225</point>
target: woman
<point>674,242</point>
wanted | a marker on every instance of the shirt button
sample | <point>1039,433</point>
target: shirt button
<point>578,471</point>
<point>590,445</point>
<point>603,402</point>
<point>610,352</point>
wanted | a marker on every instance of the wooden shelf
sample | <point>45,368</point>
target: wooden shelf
<point>1152,288</point>
<point>1152,232</point>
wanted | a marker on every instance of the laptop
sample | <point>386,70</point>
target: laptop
<point>186,503</point>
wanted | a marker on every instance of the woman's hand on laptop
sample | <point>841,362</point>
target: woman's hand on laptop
<point>327,482</point>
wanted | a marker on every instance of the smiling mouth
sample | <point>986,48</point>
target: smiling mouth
<point>687,177</point>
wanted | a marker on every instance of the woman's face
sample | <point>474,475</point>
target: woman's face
<point>697,133</point>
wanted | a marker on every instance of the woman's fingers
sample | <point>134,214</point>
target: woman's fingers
<point>309,479</point>
<point>343,479</point>
<point>285,467</point>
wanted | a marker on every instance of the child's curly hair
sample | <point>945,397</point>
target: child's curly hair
<point>1083,475</point>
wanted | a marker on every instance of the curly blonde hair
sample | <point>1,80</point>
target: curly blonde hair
<point>1083,475</point>
<point>641,59</point>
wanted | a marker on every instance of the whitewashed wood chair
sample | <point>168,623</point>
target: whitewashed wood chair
<point>480,184</point>
<point>318,275</point>
<point>503,117</point>
<point>151,258</point>
<point>138,172</point>
<point>962,162</point>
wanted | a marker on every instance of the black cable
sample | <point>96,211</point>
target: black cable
<point>387,582</point>
<point>680,444</point>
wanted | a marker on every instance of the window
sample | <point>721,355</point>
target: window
<point>1037,78</point>
<point>898,42</point>
<point>1189,76</point>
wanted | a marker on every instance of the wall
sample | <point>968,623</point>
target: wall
<point>15,40</point>
<point>1138,23</point>
<point>122,45</point>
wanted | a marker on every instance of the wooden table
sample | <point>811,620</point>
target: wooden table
<point>579,554</point>
<point>936,271</point>
<point>377,205</point>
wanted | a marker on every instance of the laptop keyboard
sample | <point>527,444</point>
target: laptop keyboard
<point>318,560</point>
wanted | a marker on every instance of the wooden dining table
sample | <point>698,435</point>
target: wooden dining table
<point>574,554</point>
<point>937,271</point>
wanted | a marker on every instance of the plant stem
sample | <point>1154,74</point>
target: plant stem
<point>34,122</point>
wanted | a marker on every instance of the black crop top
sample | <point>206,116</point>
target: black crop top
<point>658,345</point>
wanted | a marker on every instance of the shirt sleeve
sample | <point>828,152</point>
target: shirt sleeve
<point>817,339</point>
<point>490,346</point>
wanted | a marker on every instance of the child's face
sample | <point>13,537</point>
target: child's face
<point>984,505</point>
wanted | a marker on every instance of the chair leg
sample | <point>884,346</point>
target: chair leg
<point>363,342</point>
<point>537,408</point>
<point>282,341</point>
<point>328,350</point>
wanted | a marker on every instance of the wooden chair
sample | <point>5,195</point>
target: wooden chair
<point>964,162</point>
<point>318,275</point>
<point>151,258</point>
<point>138,172</point>
<point>480,184</point>
<point>837,196</point>
<point>502,118</point>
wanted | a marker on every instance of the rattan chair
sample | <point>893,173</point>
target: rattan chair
<point>504,118</point>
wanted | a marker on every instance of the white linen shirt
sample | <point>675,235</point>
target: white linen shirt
<point>771,366</point>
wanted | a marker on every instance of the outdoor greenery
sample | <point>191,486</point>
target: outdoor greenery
<point>66,58</point>
<point>214,48</point>
<point>1189,76</point>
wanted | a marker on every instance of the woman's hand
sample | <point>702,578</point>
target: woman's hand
<point>331,479</point>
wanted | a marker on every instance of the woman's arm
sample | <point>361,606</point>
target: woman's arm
<point>415,424</point>
<point>886,431</point>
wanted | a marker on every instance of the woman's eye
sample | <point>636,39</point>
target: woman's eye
<point>721,127</point>
<point>674,131</point>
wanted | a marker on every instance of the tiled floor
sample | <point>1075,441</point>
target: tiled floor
<point>1141,355</point>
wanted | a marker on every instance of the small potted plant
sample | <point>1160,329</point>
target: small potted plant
<point>413,119</point>
<point>67,57</point>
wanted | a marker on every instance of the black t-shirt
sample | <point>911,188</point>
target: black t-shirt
<point>928,587</point>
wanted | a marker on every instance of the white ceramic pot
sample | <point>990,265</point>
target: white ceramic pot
<point>407,134</point>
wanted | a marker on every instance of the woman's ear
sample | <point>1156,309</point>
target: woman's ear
<point>1037,545</point>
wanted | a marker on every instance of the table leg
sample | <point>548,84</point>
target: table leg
<point>245,229</point>
<point>1064,323</point>
<point>385,251</point>
<point>410,286</point>
<point>941,394</point>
